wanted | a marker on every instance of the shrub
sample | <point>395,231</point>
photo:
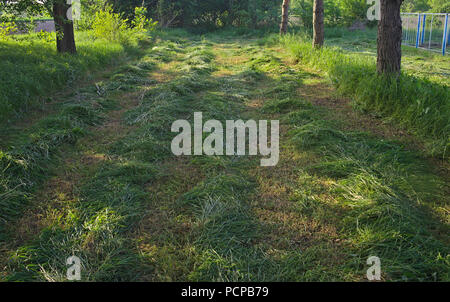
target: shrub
<point>114,27</point>
<point>45,36</point>
<point>140,22</point>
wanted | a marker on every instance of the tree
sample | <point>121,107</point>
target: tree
<point>284,17</point>
<point>389,41</point>
<point>318,23</point>
<point>58,9</point>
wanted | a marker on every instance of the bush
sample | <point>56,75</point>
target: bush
<point>6,28</point>
<point>114,27</point>
<point>140,22</point>
<point>110,26</point>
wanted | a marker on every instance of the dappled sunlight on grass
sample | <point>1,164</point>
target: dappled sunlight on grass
<point>135,212</point>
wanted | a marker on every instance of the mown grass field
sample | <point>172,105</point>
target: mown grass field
<point>96,177</point>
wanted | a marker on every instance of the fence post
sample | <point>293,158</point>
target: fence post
<point>423,29</point>
<point>444,39</point>
<point>448,31</point>
<point>407,29</point>
<point>431,31</point>
<point>418,31</point>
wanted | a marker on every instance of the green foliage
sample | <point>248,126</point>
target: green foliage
<point>89,8</point>
<point>45,36</point>
<point>433,6</point>
<point>25,80</point>
<point>209,14</point>
<point>115,28</point>
<point>7,28</point>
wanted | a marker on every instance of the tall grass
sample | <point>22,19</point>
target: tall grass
<point>415,103</point>
<point>31,69</point>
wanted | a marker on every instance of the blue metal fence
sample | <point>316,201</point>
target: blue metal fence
<point>426,31</point>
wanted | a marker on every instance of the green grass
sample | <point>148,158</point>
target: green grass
<point>383,199</point>
<point>336,197</point>
<point>33,152</point>
<point>23,167</point>
<point>32,70</point>
<point>383,193</point>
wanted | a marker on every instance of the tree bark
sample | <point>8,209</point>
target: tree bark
<point>318,24</point>
<point>284,17</point>
<point>389,41</point>
<point>65,38</point>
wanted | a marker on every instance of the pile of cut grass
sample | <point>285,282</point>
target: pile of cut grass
<point>112,200</point>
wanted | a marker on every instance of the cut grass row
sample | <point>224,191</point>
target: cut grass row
<point>34,155</point>
<point>383,200</point>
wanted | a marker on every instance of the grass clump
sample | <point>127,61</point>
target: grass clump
<point>283,105</point>
<point>26,80</point>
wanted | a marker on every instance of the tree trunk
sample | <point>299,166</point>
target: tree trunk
<point>65,38</point>
<point>389,39</point>
<point>318,24</point>
<point>284,17</point>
